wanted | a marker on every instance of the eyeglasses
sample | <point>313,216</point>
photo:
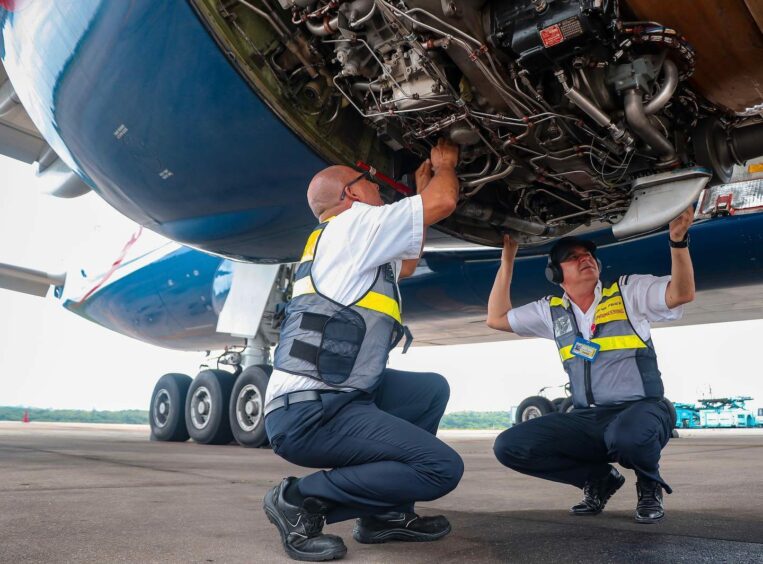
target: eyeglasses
<point>368,175</point>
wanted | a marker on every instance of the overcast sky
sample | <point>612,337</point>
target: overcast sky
<point>50,357</point>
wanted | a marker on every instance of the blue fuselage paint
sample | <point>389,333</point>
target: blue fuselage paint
<point>175,301</point>
<point>139,100</point>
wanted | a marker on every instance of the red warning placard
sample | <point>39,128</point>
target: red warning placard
<point>551,35</point>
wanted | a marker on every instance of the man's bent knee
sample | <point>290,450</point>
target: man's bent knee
<point>438,385</point>
<point>507,451</point>
<point>443,472</point>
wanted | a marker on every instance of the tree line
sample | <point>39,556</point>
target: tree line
<point>456,420</point>
<point>133,416</point>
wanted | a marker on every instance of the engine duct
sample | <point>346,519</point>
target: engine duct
<point>720,150</point>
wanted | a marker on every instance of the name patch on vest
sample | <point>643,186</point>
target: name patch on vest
<point>562,326</point>
<point>611,310</point>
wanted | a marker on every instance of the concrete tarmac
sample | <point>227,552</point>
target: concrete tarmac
<point>83,493</point>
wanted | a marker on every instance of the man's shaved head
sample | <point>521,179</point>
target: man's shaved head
<point>326,187</point>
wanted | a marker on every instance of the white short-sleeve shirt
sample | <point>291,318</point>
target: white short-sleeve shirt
<point>351,248</point>
<point>643,294</point>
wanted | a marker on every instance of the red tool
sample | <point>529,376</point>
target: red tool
<point>394,184</point>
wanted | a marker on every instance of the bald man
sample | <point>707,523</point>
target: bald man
<point>331,401</point>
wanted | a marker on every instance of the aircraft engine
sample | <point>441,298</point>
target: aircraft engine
<point>562,108</point>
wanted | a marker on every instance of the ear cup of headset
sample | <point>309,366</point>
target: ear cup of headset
<point>554,273</point>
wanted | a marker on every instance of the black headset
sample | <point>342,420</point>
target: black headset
<point>554,272</point>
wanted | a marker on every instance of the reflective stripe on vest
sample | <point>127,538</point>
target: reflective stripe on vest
<point>344,346</point>
<point>626,366</point>
<point>609,344</point>
<point>372,300</point>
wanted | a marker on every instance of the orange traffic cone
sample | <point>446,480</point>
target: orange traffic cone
<point>25,418</point>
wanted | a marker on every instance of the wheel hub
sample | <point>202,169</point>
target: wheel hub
<point>201,407</point>
<point>249,408</point>
<point>162,407</point>
<point>531,412</point>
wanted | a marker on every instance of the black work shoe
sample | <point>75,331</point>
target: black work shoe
<point>649,508</point>
<point>301,528</point>
<point>401,527</point>
<point>597,492</point>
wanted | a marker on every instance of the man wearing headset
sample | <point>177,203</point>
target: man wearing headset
<point>602,333</point>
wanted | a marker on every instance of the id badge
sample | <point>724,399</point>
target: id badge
<point>585,349</point>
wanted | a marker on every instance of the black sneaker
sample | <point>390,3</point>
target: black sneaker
<point>301,528</point>
<point>401,527</point>
<point>597,493</point>
<point>649,508</point>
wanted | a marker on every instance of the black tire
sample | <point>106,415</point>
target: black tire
<point>672,411</point>
<point>532,407</point>
<point>557,403</point>
<point>246,408</point>
<point>566,406</point>
<point>206,407</point>
<point>166,413</point>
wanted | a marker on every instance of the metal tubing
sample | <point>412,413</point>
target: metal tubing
<point>666,91</point>
<point>319,29</point>
<point>588,107</point>
<point>478,212</point>
<point>639,123</point>
<point>495,176</point>
<point>365,18</point>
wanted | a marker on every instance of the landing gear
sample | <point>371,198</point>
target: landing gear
<point>247,406</point>
<point>166,415</point>
<point>217,406</point>
<point>206,414</point>
<point>532,407</point>
<point>566,406</point>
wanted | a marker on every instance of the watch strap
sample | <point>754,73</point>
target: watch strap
<point>682,244</point>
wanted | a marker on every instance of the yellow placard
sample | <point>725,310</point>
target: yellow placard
<point>753,168</point>
<point>611,310</point>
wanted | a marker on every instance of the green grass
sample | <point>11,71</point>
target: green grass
<point>476,420</point>
<point>457,420</point>
<point>134,416</point>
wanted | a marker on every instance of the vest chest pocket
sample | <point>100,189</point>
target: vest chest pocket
<point>342,337</point>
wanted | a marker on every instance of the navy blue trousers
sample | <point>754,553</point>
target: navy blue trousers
<point>381,449</point>
<point>573,448</point>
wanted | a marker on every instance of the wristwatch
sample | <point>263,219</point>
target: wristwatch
<point>682,244</point>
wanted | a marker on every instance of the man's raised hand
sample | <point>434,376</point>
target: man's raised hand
<point>680,225</point>
<point>444,154</point>
<point>510,247</point>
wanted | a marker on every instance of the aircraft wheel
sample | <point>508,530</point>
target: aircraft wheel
<point>166,412</point>
<point>557,403</point>
<point>532,407</point>
<point>566,406</point>
<point>247,406</point>
<point>206,416</point>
